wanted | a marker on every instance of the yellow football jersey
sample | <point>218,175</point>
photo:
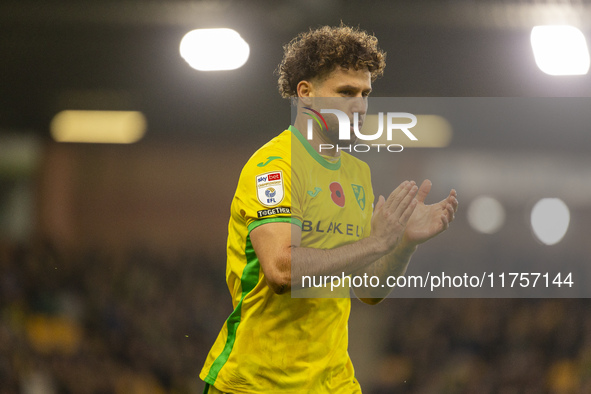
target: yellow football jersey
<point>279,343</point>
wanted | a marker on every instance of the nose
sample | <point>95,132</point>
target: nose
<point>359,105</point>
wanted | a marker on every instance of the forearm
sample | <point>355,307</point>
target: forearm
<point>393,264</point>
<point>345,259</point>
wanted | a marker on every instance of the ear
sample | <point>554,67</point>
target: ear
<point>305,92</point>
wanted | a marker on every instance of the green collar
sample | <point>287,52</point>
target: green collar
<point>321,160</point>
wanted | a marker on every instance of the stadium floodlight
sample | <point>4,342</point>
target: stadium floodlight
<point>549,220</point>
<point>486,215</point>
<point>214,49</point>
<point>560,50</point>
<point>108,127</point>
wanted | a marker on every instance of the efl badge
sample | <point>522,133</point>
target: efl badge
<point>270,188</point>
<point>359,195</point>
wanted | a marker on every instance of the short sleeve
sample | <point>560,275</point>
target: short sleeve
<point>264,191</point>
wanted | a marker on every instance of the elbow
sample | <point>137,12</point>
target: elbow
<point>278,273</point>
<point>371,301</point>
<point>279,282</point>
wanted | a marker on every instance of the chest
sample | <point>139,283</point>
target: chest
<point>335,206</point>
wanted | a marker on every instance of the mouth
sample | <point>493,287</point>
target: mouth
<point>352,126</point>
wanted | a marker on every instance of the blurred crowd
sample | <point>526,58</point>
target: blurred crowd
<point>97,322</point>
<point>142,322</point>
<point>488,346</point>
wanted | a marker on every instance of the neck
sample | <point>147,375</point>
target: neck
<point>318,138</point>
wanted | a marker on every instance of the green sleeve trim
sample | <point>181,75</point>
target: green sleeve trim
<point>321,160</point>
<point>257,223</point>
<point>296,221</point>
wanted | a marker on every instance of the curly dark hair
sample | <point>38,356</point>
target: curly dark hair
<point>316,53</point>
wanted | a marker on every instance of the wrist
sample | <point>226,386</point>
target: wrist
<point>377,246</point>
<point>406,248</point>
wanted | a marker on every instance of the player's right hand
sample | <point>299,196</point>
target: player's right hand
<point>391,216</point>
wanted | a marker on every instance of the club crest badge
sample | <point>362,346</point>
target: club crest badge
<point>359,192</point>
<point>270,189</point>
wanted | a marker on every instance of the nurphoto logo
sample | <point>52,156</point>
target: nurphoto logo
<point>346,127</point>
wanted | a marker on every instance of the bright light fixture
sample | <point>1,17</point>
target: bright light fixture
<point>214,49</point>
<point>560,50</point>
<point>114,127</point>
<point>486,215</point>
<point>549,220</point>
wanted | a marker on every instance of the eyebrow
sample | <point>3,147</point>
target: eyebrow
<point>351,87</point>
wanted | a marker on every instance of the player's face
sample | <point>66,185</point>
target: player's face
<point>346,90</point>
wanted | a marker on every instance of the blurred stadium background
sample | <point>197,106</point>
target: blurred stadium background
<point>112,256</point>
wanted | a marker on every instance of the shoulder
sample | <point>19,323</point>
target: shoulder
<point>273,157</point>
<point>277,150</point>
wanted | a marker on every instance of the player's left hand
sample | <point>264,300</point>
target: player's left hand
<point>429,220</point>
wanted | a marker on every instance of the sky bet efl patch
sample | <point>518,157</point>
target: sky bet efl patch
<point>270,188</point>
